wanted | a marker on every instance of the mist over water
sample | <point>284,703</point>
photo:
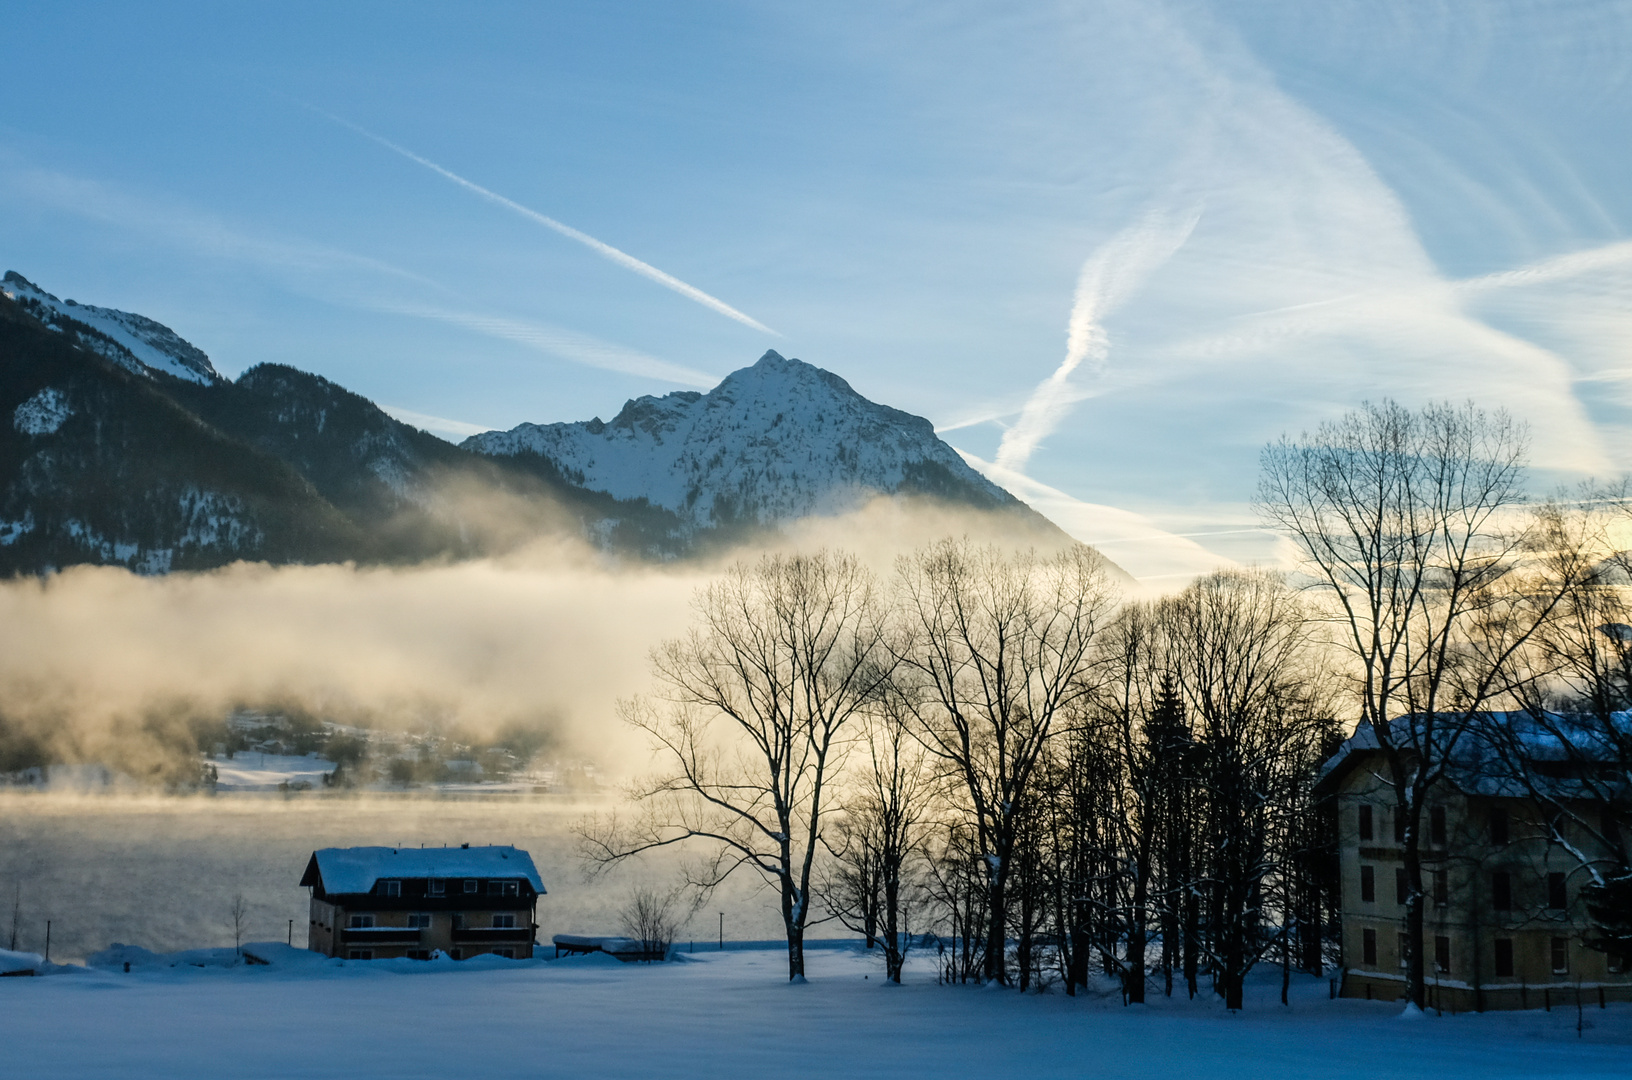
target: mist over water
<point>98,665</point>
<point>162,872</point>
<point>101,666</point>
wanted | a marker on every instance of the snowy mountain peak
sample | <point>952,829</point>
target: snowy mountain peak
<point>773,442</point>
<point>134,342</point>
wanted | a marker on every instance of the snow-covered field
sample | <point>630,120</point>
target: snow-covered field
<point>250,771</point>
<point>732,1014</point>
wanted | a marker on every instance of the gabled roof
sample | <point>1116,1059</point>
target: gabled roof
<point>1490,750</point>
<point>355,870</point>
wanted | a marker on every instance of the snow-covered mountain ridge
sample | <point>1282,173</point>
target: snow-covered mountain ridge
<point>774,442</point>
<point>134,342</point>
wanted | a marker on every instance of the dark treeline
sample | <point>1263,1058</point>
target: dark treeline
<point>996,756</point>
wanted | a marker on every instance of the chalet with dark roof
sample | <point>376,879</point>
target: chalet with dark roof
<point>377,903</point>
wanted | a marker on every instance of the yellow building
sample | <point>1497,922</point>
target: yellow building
<point>1503,906</point>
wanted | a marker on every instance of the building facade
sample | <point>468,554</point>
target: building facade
<point>1503,910</point>
<point>377,903</point>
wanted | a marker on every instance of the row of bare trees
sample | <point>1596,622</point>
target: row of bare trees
<point>997,748</point>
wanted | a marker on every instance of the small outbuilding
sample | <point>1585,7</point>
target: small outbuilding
<point>377,903</point>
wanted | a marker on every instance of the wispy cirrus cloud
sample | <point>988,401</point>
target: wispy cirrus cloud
<point>600,247</point>
<point>557,341</point>
<point>332,274</point>
<point>1108,278</point>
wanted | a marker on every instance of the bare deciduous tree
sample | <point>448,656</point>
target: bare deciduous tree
<point>1237,643</point>
<point>653,917</point>
<point>995,648</point>
<point>751,725</point>
<point>1572,748</point>
<point>878,838</point>
<point>1408,524</point>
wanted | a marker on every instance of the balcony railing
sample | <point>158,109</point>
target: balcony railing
<point>491,935</point>
<point>380,935</point>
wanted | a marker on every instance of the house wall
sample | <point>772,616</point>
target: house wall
<point>329,919</point>
<point>1467,916</point>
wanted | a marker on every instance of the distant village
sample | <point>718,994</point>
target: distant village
<point>256,750</point>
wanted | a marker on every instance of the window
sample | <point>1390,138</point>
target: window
<point>501,888</point>
<point>1442,889</point>
<point>1498,826</point>
<point>360,922</point>
<point>419,920</point>
<point>456,954</point>
<point>470,885</point>
<point>436,887</point>
<point>1399,826</point>
<point>1501,891</point>
<point>1368,948</point>
<point>458,923</point>
<point>1365,821</point>
<point>1402,887</point>
<point>1442,955</point>
<point>1616,963</point>
<point>390,888</point>
<point>1405,946</point>
<point>1556,898</point>
<point>508,954</point>
<point>360,954</point>
<point>1368,884</point>
<point>504,922</point>
<point>1436,826</point>
<point>1561,956</point>
<point>419,954</point>
<point>1504,956</point>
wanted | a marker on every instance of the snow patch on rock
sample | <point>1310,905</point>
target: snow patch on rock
<point>43,413</point>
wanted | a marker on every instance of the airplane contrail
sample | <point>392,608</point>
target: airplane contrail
<point>1108,278</point>
<point>622,258</point>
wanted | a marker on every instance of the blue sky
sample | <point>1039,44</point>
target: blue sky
<point>1109,248</point>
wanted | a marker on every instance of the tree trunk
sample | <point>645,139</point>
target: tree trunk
<point>1192,920</point>
<point>1134,977</point>
<point>793,920</point>
<point>893,955</point>
<point>796,954</point>
<point>997,924</point>
<point>1080,948</point>
<point>1414,967</point>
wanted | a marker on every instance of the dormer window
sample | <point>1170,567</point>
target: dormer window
<point>436,887</point>
<point>503,888</point>
<point>391,888</point>
<point>470,885</point>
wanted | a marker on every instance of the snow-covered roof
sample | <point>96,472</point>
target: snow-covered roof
<point>591,943</point>
<point>355,870</point>
<point>1499,753</point>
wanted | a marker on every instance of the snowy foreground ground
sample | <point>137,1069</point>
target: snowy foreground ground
<point>732,1014</point>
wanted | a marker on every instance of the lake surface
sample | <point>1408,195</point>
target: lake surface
<point>162,872</point>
